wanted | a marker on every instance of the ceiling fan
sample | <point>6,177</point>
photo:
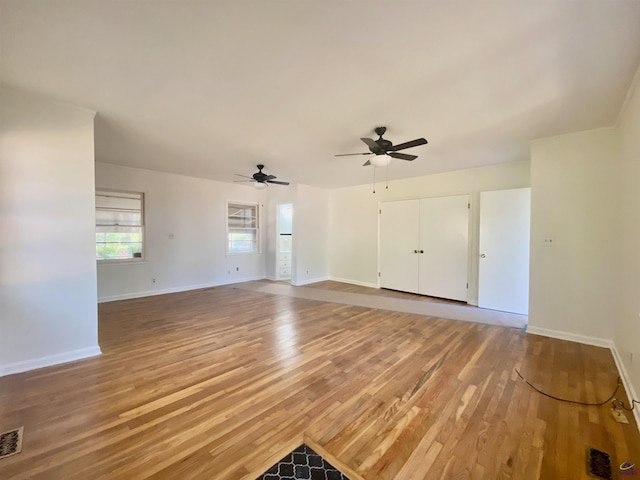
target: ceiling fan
<point>382,146</point>
<point>261,179</point>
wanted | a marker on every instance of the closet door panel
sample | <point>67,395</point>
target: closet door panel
<point>399,233</point>
<point>444,247</point>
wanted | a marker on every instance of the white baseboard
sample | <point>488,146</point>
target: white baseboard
<point>598,342</point>
<point>354,282</point>
<point>164,291</point>
<point>25,365</point>
<point>308,281</point>
<point>572,337</point>
<point>626,381</point>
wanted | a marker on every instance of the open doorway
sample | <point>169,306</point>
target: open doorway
<point>285,241</point>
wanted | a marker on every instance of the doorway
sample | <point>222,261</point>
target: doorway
<point>284,241</point>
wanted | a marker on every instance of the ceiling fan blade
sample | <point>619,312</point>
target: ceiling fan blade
<point>270,177</point>
<point>402,156</point>
<point>412,143</point>
<point>371,143</point>
<point>243,181</point>
<point>366,164</point>
<point>277,182</point>
<point>242,175</point>
<point>349,154</point>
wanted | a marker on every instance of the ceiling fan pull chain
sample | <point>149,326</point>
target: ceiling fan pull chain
<point>374,180</point>
<point>387,179</point>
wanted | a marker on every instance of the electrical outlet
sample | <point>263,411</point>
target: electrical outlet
<point>153,280</point>
<point>619,416</point>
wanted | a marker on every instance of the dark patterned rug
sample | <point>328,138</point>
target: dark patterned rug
<point>302,464</point>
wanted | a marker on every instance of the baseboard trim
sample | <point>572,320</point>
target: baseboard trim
<point>164,291</point>
<point>308,281</point>
<point>49,360</point>
<point>598,342</point>
<point>572,337</point>
<point>626,381</point>
<point>353,282</point>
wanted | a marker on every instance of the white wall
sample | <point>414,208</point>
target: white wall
<point>194,211</point>
<point>353,226</point>
<point>48,308</point>
<point>585,197</point>
<point>310,235</point>
<point>573,204</point>
<point>627,241</point>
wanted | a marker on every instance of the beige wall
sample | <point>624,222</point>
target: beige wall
<point>573,184</point>
<point>310,235</point>
<point>193,211</point>
<point>586,197</point>
<point>48,308</point>
<point>353,226</point>
<point>627,242</point>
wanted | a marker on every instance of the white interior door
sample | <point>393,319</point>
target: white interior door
<point>504,250</point>
<point>398,245</point>
<point>444,246</point>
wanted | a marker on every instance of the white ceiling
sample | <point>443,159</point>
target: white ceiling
<point>211,88</point>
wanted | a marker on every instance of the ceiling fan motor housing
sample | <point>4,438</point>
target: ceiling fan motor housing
<point>382,143</point>
<point>384,146</point>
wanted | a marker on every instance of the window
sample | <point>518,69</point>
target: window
<point>119,225</point>
<point>242,228</point>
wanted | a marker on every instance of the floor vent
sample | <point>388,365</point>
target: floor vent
<point>10,442</point>
<point>599,464</point>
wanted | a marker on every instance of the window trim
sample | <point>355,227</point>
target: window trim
<point>143,207</point>
<point>257,228</point>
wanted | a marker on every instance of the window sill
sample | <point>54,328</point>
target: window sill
<point>121,261</point>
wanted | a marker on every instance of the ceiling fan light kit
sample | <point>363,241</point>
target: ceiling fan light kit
<point>380,161</point>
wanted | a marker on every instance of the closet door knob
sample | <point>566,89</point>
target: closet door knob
<point>415,251</point>
<point>421,251</point>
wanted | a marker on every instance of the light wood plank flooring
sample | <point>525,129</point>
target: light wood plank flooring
<point>220,384</point>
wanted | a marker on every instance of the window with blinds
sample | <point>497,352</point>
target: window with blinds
<point>119,225</point>
<point>242,228</point>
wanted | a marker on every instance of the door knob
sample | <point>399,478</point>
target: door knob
<point>415,251</point>
<point>482,255</point>
<point>421,251</point>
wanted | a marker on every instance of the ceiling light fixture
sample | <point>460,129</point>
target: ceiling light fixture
<point>260,185</point>
<point>380,161</point>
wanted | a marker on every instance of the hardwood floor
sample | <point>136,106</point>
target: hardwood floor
<point>221,384</point>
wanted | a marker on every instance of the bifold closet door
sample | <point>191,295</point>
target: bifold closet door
<point>424,246</point>
<point>444,246</point>
<point>399,233</point>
